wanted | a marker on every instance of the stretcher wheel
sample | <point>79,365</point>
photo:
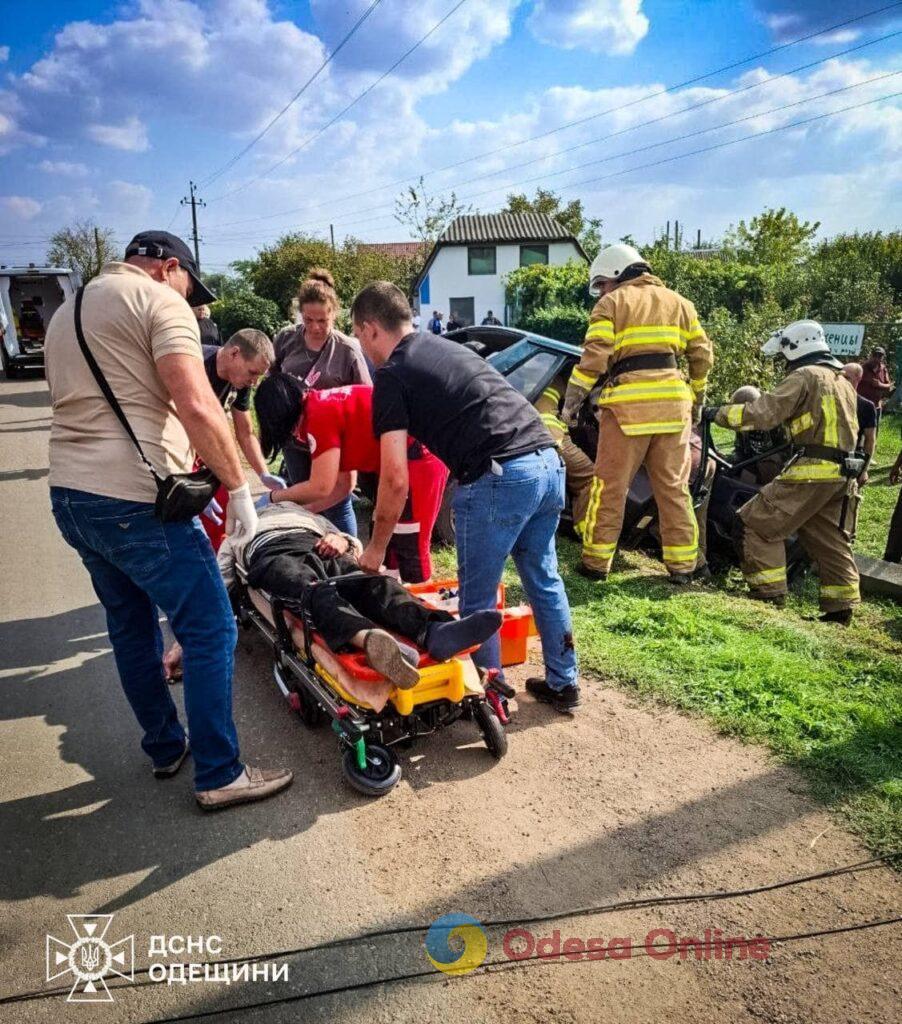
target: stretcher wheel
<point>491,728</point>
<point>381,774</point>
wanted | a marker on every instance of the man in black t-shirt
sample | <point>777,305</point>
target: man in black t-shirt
<point>868,417</point>
<point>233,370</point>
<point>510,477</point>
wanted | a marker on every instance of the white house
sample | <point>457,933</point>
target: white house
<point>465,272</point>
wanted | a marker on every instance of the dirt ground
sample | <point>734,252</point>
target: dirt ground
<point>621,801</point>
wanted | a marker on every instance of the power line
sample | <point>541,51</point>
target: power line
<point>433,972</point>
<point>353,103</point>
<point>635,903</point>
<point>580,145</point>
<point>230,163</point>
<point>352,217</point>
<point>583,120</point>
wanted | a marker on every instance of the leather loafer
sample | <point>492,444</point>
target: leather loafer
<point>253,784</point>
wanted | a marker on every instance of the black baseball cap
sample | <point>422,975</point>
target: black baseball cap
<point>161,245</point>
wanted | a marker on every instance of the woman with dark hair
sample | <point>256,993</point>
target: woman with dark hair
<point>336,426</point>
<point>320,357</point>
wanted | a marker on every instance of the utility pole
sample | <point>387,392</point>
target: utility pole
<point>332,233</point>
<point>97,258</point>
<point>193,202</point>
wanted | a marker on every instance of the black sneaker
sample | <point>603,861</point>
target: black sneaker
<point>841,618</point>
<point>166,771</point>
<point>566,700</point>
<point>599,575</point>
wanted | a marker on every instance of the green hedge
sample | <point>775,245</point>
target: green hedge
<point>246,310</point>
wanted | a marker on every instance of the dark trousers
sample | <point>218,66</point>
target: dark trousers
<point>893,551</point>
<point>341,610</point>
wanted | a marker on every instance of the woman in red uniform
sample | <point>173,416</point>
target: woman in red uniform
<point>337,427</point>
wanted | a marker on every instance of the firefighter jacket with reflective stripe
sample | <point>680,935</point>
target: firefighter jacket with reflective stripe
<point>548,406</point>
<point>642,317</point>
<point>818,406</point>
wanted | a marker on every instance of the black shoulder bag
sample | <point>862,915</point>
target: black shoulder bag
<point>180,496</point>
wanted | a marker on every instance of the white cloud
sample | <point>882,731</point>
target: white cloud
<point>614,27</point>
<point>127,200</point>
<point>63,168</point>
<point>4,54</point>
<point>21,207</point>
<point>791,19</point>
<point>131,135</point>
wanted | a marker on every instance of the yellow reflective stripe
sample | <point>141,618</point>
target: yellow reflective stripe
<point>600,550</point>
<point>646,391</point>
<point>550,420</point>
<point>841,593</point>
<point>592,506</point>
<point>660,427</point>
<point>600,329</point>
<point>695,331</point>
<point>698,386</point>
<point>551,395</point>
<point>766,576</point>
<point>801,423</point>
<point>680,554</point>
<point>812,471</point>
<point>582,380</point>
<point>734,416</point>
<point>831,434</point>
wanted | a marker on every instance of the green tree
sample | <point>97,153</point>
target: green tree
<point>278,270</point>
<point>84,247</point>
<point>773,236</point>
<point>572,217</point>
<point>246,310</point>
<point>426,216</point>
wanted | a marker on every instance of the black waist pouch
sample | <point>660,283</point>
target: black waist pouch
<point>180,496</point>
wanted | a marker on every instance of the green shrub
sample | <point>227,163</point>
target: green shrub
<point>246,310</point>
<point>565,323</point>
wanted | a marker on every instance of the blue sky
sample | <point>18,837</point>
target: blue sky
<point>108,108</point>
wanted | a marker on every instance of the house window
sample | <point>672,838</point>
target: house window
<point>481,259</point>
<point>530,254</point>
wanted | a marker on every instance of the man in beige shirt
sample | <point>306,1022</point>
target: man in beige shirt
<point>142,333</point>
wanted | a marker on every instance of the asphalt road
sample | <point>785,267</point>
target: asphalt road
<point>624,801</point>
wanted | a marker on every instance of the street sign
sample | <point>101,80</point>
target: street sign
<point>844,339</point>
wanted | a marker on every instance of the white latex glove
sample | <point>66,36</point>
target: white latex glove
<point>241,516</point>
<point>273,482</point>
<point>213,512</point>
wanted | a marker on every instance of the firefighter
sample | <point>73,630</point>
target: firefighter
<point>577,465</point>
<point>816,494</point>
<point>637,330</point>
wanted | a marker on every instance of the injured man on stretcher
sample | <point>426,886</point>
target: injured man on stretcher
<point>293,549</point>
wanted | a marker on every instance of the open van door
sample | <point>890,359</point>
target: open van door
<point>29,296</point>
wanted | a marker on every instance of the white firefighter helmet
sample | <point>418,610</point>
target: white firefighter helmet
<point>610,263</point>
<point>800,339</point>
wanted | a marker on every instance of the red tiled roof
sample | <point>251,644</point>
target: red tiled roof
<point>399,250</point>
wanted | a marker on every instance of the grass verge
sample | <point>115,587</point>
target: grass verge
<point>827,700</point>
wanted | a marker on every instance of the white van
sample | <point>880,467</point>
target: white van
<point>29,296</point>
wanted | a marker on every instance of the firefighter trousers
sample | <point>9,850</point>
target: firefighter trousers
<point>580,472</point>
<point>813,512</point>
<point>667,461</point>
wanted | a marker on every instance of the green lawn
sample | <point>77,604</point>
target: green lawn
<point>827,699</point>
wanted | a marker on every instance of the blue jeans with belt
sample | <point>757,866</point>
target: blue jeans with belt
<point>516,512</point>
<point>137,565</point>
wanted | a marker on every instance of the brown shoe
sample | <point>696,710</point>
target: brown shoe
<point>252,784</point>
<point>384,654</point>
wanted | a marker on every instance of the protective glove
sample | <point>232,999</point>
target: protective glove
<point>273,482</point>
<point>574,397</point>
<point>709,413</point>
<point>213,512</point>
<point>241,516</point>
<point>264,500</point>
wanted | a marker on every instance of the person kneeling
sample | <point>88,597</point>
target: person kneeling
<point>293,549</point>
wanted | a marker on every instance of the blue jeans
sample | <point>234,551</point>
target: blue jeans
<point>341,516</point>
<point>137,565</point>
<point>516,513</point>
